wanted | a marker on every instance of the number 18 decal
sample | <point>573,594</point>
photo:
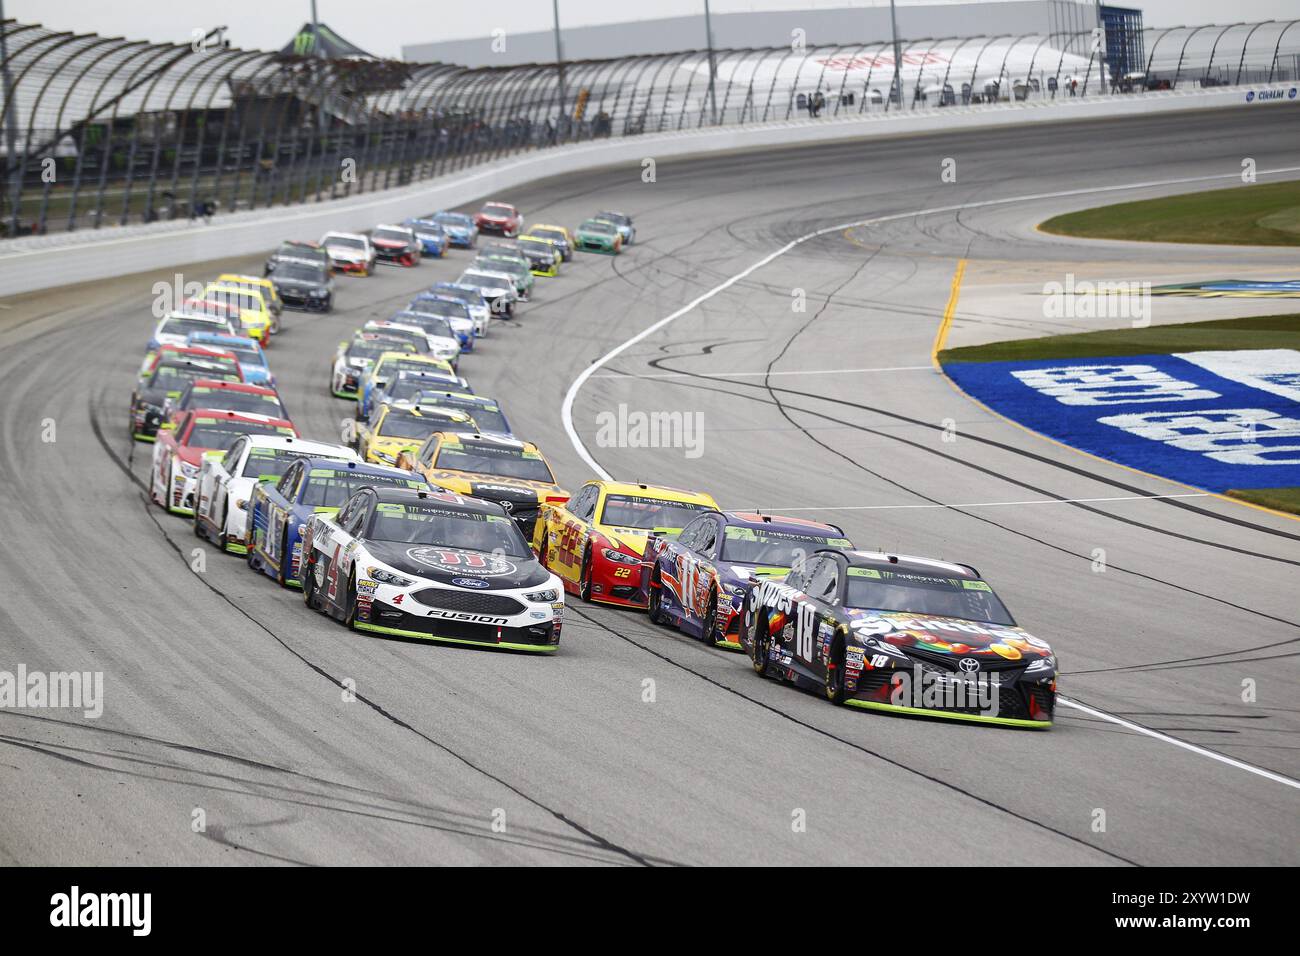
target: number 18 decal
<point>805,630</point>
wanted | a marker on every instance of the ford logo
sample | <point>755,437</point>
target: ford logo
<point>969,665</point>
<point>469,582</point>
<point>1250,96</point>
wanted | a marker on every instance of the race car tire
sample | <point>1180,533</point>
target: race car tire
<point>707,632</point>
<point>835,673</point>
<point>309,581</point>
<point>759,644</point>
<point>350,603</point>
<point>654,607</point>
<point>584,579</point>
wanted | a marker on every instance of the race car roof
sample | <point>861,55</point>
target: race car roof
<point>354,464</point>
<point>753,519</point>
<point>883,560</point>
<point>215,384</point>
<point>317,450</point>
<point>225,414</point>
<point>391,495</point>
<point>499,440</point>
<point>636,489</point>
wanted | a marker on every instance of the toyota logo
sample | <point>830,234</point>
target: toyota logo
<point>969,664</point>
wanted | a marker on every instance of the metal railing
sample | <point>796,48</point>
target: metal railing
<point>100,131</point>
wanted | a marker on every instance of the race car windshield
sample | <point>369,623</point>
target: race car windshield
<point>492,209</point>
<point>487,418</point>
<point>300,271</point>
<point>961,598</point>
<point>549,233</point>
<point>624,511</point>
<point>446,528</point>
<point>326,488</point>
<point>232,400</point>
<point>494,460</point>
<point>176,376</point>
<point>221,434</point>
<point>399,425</point>
<point>614,217</point>
<point>487,281</point>
<point>410,389</point>
<point>452,219</point>
<point>462,295</point>
<point>594,226</point>
<point>269,462</point>
<point>347,242</point>
<point>435,325</point>
<point>392,367</point>
<point>535,245</point>
<point>372,350</point>
<point>186,326</point>
<point>237,299</point>
<point>392,235</point>
<point>772,548</point>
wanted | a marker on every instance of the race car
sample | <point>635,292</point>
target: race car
<point>226,483</point>
<point>227,396</point>
<point>431,235</point>
<point>255,317</point>
<point>167,378</point>
<point>178,454</point>
<point>460,228</point>
<point>263,285</point>
<point>486,412</point>
<point>596,235</point>
<point>249,354</point>
<point>350,252</point>
<point>558,235</point>
<point>901,634</point>
<point>311,253</point>
<point>543,257</point>
<point>595,541</point>
<point>621,222</point>
<point>386,366</point>
<point>175,327</point>
<point>497,289</point>
<point>510,472</point>
<point>397,427</point>
<point>409,386</point>
<point>431,565</point>
<point>697,581</point>
<point>304,284</point>
<point>513,265</point>
<point>446,332</point>
<point>354,357</point>
<point>431,334</point>
<point>221,357</point>
<point>479,312</point>
<point>446,307</point>
<point>499,217</point>
<point>278,511</point>
<point>396,245</point>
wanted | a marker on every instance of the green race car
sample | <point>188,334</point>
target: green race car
<point>596,235</point>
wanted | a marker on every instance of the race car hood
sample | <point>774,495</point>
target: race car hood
<point>951,636</point>
<point>467,570</point>
<point>389,244</point>
<point>298,284</point>
<point>394,446</point>
<point>631,539</point>
<point>743,572</point>
<point>494,487</point>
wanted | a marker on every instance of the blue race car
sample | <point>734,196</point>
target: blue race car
<point>432,237</point>
<point>279,510</point>
<point>698,579</point>
<point>453,310</point>
<point>459,227</point>
<point>248,352</point>
<point>479,309</point>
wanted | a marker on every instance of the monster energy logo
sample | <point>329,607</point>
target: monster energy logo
<point>304,42</point>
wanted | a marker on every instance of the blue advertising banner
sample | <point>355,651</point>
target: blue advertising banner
<point>1214,420</point>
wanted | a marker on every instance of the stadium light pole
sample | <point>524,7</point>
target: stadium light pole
<point>708,38</point>
<point>15,176</point>
<point>898,67</point>
<point>559,64</point>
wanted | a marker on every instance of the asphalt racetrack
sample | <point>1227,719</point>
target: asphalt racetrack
<point>224,695</point>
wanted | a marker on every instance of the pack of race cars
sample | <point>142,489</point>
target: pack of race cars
<point>432,519</point>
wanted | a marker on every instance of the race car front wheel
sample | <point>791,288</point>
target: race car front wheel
<point>707,632</point>
<point>835,673</point>
<point>350,603</point>
<point>654,602</point>
<point>759,640</point>
<point>584,581</point>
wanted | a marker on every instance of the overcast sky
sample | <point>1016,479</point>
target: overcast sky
<point>382,28</point>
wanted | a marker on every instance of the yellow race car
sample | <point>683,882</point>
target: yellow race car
<point>254,313</point>
<point>400,427</point>
<point>510,472</point>
<point>559,236</point>
<point>594,543</point>
<point>260,284</point>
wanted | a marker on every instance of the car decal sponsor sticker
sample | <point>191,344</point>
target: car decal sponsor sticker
<point>462,562</point>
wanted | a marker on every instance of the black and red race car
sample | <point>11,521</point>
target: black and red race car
<point>397,245</point>
<point>900,634</point>
<point>500,217</point>
<point>697,580</point>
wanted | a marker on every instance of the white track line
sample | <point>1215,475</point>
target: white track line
<point>1138,728</point>
<point>986,504</point>
<point>566,409</point>
<point>820,371</point>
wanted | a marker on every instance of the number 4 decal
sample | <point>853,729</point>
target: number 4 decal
<point>333,575</point>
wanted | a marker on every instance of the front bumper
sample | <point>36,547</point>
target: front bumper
<point>622,585</point>
<point>377,612</point>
